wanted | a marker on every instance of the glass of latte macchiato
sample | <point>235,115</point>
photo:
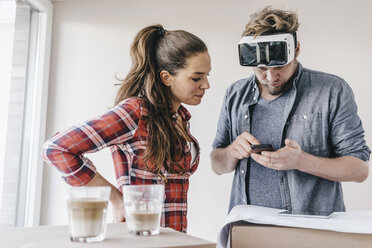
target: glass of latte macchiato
<point>143,207</point>
<point>87,207</point>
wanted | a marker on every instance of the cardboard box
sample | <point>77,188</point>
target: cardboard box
<point>244,234</point>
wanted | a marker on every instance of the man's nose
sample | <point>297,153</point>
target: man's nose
<point>271,75</point>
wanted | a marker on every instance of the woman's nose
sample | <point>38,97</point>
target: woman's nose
<point>205,84</point>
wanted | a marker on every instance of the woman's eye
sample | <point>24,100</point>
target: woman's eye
<point>195,79</point>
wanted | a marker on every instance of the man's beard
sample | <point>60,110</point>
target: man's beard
<point>277,90</point>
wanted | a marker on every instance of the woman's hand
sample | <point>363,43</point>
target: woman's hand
<point>116,197</point>
<point>118,214</point>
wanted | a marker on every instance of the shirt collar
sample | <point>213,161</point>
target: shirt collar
<point>183,112</point>
<point>299,71</point>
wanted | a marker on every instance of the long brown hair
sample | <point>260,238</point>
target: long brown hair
<point>153,50</point>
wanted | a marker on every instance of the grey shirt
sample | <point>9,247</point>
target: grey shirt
<point>266,123</point>
<point>320,114</point>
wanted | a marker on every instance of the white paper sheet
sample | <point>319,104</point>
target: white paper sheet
<point>348,222</point>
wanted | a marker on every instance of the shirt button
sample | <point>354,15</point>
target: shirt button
<point>254,98</point>
<point>244,200</point>
<point>185,193</point>
<point>305,117</point>
<point>184,213</point>
<point>245,116</point>
<point>242,171</point>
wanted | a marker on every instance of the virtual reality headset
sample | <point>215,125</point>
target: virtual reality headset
<point>267,50</point>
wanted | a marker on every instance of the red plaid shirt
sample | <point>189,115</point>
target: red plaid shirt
<point>122,129</point>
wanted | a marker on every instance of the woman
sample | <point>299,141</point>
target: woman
<point>148,129</point>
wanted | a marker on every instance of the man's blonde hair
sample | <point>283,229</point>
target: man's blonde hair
<point>269,20</point>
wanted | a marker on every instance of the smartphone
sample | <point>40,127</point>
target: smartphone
<point>262,147</point>
<point>306,214</point>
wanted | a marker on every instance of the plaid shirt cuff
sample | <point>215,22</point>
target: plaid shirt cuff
<point>83,175</point>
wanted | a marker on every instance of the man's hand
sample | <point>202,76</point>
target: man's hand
<point>241,147</point>
<point>286,158</point>
<point>224,160</point>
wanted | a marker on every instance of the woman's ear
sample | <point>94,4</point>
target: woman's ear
<point>166,78</point>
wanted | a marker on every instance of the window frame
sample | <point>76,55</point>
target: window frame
<point>37,81</point>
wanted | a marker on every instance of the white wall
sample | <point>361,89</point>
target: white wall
<point>91,40</point>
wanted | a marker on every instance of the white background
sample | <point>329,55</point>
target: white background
<point>90,45</point>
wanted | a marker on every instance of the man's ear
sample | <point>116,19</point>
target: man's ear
<point>166,78</point>
<point>297,52</point>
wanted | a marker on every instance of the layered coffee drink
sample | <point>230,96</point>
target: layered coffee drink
<point>87,219</point>
<point>142,222</point>
<point>143,206</point>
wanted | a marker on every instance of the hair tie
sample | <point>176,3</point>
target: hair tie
<point>161,31</point>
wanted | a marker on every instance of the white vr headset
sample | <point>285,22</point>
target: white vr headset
<point>267,50</point>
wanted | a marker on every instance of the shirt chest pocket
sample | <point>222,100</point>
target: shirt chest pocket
<point>307,130</point>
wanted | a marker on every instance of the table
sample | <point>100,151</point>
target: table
<point>116,236</point>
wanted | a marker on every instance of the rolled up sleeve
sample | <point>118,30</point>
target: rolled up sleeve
<point>66,150</point>
<point>347,133</point>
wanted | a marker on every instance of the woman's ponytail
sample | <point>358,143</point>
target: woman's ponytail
<point>144,64</point>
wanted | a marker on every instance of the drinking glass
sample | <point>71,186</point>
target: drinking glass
<point>87,207</point>
<point>143,207</point>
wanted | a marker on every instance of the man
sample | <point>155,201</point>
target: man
<point>309,117</point>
